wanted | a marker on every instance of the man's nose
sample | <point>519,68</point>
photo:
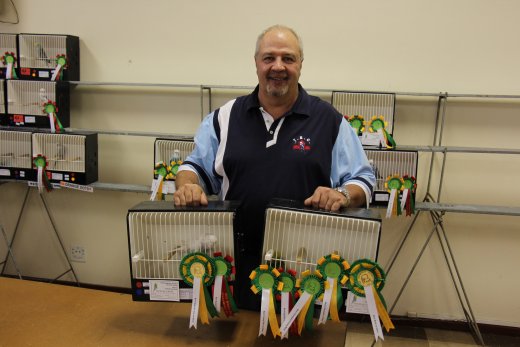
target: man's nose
<point>278,64</point>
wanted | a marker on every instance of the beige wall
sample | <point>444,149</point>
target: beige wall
<point>423,46</point>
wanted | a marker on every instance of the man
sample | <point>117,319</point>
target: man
<point>276,142</point>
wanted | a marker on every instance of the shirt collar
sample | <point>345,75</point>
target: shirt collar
<point>301,106</point>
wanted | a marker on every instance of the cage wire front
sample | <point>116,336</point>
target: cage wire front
<point>64,152</point>
<point>296,239</point>
<point>40,51</point>
<point>366,105</point>
<point>8,44</point>
<point>3,109</point>
<point>28,97</point>
<point>15,149</point>
<point>388,163</point>
<point>165,149</point>
<point>161,235</point>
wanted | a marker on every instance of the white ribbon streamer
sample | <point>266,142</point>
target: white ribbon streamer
<point>286,324</point>
<point>217,292</point>
<point>194,316</point>
<point>374,316</point>
<point>264,312</point>
<point>51,120</point>
<point>403,199</point>
<point>393,192</point>
<point>8,71</point>
<point>284,311</point>
<point>155,187</point>
<point>327,297</point>
<point>40,179</point>
<point>382,139</point>
<point>56,71</point>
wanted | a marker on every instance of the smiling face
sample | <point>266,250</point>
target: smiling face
<point>278,64</point>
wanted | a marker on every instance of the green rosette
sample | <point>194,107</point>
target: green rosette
<point>264,277</point>
<point>410,183</point>
<point>364,272</point>
<point>378,123</point>
<point>40,161</point>
<point>160,169</point>
<point>334,266</point>
<point>289,282</point>
<point>61,59</point>
<point>10,58</point>
<point>357,122</point>
<point>200,265</point>
<point>313,284</point>
<point>224,268</point>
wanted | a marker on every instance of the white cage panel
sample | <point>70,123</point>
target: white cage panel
<point>296,240</point>
<point>28,97</point>
<point>3,109</point>
<point>40,51</point>
<point>15,149</point>
<point>366,105</point>
<point>159,240</point>
<point>387,163</point>
<point>8,44</point>
<point>64,152</point>
<point>164,149</point>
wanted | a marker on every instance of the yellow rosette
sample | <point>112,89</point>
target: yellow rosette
<point>264,280</point>
<point>335,270</point>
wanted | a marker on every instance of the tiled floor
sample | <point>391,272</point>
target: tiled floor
<point>360,334</point>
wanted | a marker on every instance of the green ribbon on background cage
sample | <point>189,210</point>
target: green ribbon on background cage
<point>335,270</point>
<point>367,279</point>
<point>40,162</point>
<point>394,184</point>
<point>198,271</point>
<point>175,163</point>
<point>408,199</point>
<point>9,60</point>
<point>222,292</point>
<point>286,295</point>
<point>357,123</point>
<point>51,110</point>
<point>161,170</point>
<point>378,125</point>
<point>61,64</point>
<point>264,280</point>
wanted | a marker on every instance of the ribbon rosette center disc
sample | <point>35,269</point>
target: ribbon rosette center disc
<point>222,267</point>
<point>266,280</point>
<point>332,270</point>
<point>377,124</point>
<point>312,286</point>
<point>197,269</point>
<point>288,284</point>
<point>365,278</point>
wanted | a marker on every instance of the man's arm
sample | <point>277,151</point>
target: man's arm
<point>188,190</point>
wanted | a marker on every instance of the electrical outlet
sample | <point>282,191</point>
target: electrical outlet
<point>78,254</point>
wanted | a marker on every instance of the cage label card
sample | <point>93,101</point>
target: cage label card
<point>356,304</point>
<point>164,290</point>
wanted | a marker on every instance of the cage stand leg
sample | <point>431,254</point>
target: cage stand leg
<point>10,246</point>
<point>10,253</point>
<point>71,269</point>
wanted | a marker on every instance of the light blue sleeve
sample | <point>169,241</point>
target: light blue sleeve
<point>349,162</point>
<point>202,159</point>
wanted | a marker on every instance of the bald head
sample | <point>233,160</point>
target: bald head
<point>282,29</point>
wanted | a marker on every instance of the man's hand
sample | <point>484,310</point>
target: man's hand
<point>189,192</point>
<point>190,195</point>
<point>327,199</point>
<point>331,200</point>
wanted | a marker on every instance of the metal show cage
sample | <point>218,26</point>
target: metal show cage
<point>70,157</point>
<point>26,102</point>
<point>8,44</point>
<point>166,149</point>
<point>39,56</point>
<point>388,163</point>
<point>15,155</point>
<point>296,236</point>
<point>160,235</point>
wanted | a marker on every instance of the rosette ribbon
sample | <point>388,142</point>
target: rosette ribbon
<point>9,60</point>
<point>310,287</point>
<point>357,123</point>
<point>61,63</point>
<point>264,280</point>
<point>161,171</point>
<point>222,292</point>
<point>378,125</point>
<point>175,162</point>
<point>50,109</point>
<point>408,199</point>
<point>287,296</point>
<point>40,162</point>
<point>367,279</point>
<point>198,270</point>
<point>394,185</point>
<point>335,270</point>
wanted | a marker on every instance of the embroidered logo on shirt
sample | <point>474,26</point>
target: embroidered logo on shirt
<point>301,144</point>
